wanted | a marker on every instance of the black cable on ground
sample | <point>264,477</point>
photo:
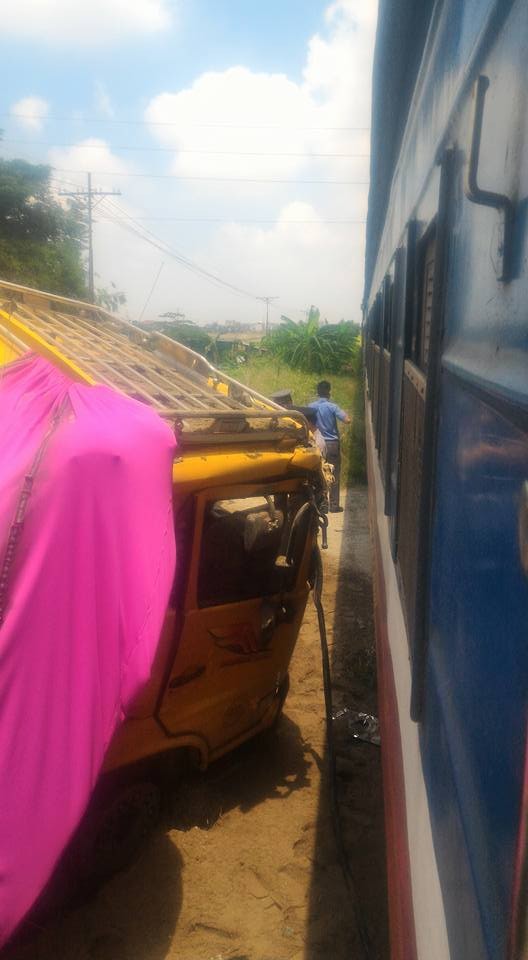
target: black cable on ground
<point>367,950</point>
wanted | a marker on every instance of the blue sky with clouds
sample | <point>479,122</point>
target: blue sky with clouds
<point>201,35</point>
<point>246,111</point>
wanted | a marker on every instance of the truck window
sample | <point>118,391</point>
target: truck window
<point>241,541</point>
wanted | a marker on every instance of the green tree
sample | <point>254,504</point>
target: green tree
<point>41,242</point>
<point>110,299</point>
<point>190,335</point>
<point>314,348</point>
<point>184,331</point>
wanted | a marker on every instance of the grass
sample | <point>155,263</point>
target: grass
<point>267,375</point>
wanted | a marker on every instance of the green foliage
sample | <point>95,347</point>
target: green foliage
<point>40,241</point>
<point>110,299</point>
<point>309,346</point>
<point>268,374</point>
<point>184,332</point>
<point>356,466</point>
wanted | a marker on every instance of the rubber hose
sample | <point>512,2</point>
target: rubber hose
<point>364,938</point>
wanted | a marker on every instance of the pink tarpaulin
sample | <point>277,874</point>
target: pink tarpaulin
<point>87,560</point>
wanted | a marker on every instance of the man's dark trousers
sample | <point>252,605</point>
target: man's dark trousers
<point>333,455</point>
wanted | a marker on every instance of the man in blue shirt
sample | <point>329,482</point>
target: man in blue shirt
<point>327,414</point>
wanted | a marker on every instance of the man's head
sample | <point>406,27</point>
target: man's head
<point>323,388</point>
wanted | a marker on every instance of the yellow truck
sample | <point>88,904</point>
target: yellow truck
<point>247,483</point>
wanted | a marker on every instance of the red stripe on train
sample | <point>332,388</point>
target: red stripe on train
<point>401,917</point>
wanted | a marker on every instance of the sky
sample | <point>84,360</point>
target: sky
<point>235,133</point>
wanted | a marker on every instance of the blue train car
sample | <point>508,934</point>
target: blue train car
<point>446,355</point>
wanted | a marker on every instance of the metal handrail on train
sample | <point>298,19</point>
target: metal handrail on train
<point>488,198</point>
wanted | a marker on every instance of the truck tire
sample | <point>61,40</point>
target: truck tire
<point>119,832</point>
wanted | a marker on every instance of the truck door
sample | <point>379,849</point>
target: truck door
<point>242,613</point>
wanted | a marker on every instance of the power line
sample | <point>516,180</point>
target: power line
<point>151,291</point>
<point>239,220</point>
<point>136,229</point>
<point>234,219</point>
<point>170,176</point>
<point>89,194</point>
<point>155,241</point>
<point>214,153</point>
<point>236,125</point>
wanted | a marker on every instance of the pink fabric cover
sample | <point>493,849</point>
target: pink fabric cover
<point>85,601</point>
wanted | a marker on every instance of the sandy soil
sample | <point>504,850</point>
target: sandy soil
<point>244,865</point>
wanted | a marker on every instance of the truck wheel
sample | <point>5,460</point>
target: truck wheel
<point>120,831</point>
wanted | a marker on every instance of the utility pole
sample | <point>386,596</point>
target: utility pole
<point>267,301</point>
<point>89,194</point>
<point>91,287</point>
<point>151,291</point>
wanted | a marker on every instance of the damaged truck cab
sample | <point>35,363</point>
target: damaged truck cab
<point>247,483</point>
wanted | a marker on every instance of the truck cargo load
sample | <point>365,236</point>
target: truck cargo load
<point>87,564</point>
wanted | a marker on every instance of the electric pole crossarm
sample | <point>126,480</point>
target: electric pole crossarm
<point>89,195</point>
<point>267,301</point>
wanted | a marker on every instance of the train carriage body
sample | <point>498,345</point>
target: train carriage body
<point>446,356</point>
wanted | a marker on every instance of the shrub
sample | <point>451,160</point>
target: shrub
<point>314,348</point>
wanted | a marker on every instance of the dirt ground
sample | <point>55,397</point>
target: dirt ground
<point>244,865</point>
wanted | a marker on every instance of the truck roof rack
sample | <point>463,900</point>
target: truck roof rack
<point>95,346</point>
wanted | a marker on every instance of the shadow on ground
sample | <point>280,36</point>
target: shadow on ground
<point>131,918</point>
<point>134,916</point>
<point>271,766</point>
<point>331,928</point>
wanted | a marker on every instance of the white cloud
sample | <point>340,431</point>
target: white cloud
<point>237,112</point>
<point>97,23</point>
<point>268,109</point>
<point>338,74</point>
<point>303,263</point>
<point>215,123</point>
<point>91,154</point>
<point>30,112</point>
<point>71,164</point>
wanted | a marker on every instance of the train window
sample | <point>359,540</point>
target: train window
<point>421,332</point>
<point>426,305</point>
<point>377,337</point>
<point>384,378</point>
<point>368,347</point>
<point>414,389</point>
<point>376,320</point>
<point>400,290</point>
<point>387,314</point>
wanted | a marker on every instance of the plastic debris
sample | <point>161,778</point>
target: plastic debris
<point>362,726</point>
